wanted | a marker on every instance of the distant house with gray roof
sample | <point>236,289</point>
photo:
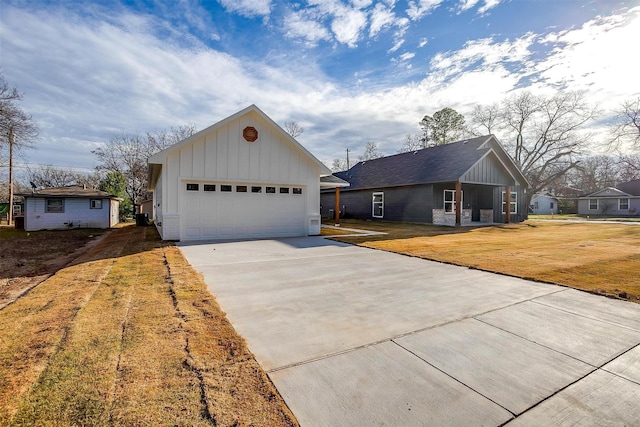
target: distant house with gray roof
<point>425,185</point>
<point>62,208</point>
<point>621,200</point>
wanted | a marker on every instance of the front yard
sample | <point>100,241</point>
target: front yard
<point>600,258</point>
<point>127,334</point>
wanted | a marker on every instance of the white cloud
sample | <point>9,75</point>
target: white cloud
<point>298,26</point>
<point>488,4</point>
<point>421,8</point>
<point>467,4</point>
<point>347,25</point>
<point>396,46</point>
<point>423,42</point>
<point>381,17</point>
<point>248,7</point>
<point>88,79</point>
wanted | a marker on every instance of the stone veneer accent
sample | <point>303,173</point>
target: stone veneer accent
<point>442,218</point>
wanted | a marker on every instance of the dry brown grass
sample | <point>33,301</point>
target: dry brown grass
<point>601,258</point>
<point>129,335</point>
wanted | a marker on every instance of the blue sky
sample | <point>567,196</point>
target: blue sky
<point>347,71</point>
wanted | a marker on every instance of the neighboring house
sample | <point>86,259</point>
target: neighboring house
<point>243,177</point>
<point>425,185</point>
<point>69,207</point>
<point>543,204</point>
<point>622,200</point>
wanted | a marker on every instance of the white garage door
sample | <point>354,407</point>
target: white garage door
<point>229,211</point>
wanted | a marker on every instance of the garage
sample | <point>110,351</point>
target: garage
<point>224,211</point>
<point>243,177</point>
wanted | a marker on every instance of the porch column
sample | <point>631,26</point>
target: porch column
<point>337,208</point>
<point>458,203</point>
<point>507,206</point>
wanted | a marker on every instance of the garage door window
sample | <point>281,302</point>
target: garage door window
<point>284,190</point>
<point>209,187</point>
<point>241,188</point>
<point>297,191</point>
<point>256,189</point>
<point>271,190</point>
<point>225,188</point>
<point>193,187</point>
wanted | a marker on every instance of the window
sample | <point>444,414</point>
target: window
<point>535,206</point>
<point>284,190</point>
<point>241,188</point>
<point>551,205</point>
<point>377,205</point>
<point>593,204</point>
<point>450,200</point>
<point>513,203</point>
<point>95,203</point>
<point>193,187</point>
<point>297,190</point>
<point>225,188</point>
<point>271,190</point>
<point>623,204</point>
<point>209,187</point>
<point>54,205</point>
<point>256,189</point>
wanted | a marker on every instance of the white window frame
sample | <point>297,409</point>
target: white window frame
<point>597,204</point>
<point>512,203</point>
<point>620,208</point>
<point>451,202</point>
<point>375,204</point>
<point>95,203</point>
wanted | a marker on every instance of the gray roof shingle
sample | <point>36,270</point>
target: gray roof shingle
<point>442,163</point>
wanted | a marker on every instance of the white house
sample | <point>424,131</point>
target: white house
<point>543,204</point>
<point>243,177</point>
<point>69,207</point>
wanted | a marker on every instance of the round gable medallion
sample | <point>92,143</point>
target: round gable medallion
<point>250,134</point>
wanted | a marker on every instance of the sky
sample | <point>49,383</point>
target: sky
<point>347,71</point>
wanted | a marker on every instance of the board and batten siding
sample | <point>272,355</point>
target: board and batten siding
<point>77,214</point>
<point>222,156</point>
<point>407,204</point>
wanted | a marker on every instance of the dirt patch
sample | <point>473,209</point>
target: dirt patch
<point>28,258</point>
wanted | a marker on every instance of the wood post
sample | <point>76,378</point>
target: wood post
<point>337,208</point>
<point>507,207</point>
<point>458,204</point>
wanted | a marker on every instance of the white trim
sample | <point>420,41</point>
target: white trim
<point>515,202</point>
<point>374,203</point>
<point>453,208</point>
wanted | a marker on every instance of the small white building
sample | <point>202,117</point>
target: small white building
<point>69,207</point>
<point>243,177</point>
<point>543,204</point>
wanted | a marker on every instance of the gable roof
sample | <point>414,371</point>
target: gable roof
<point>442,163</point>
<point>606,192</point>
<point>73,191</point>
<point>630,187</point>
<point>158,159</point>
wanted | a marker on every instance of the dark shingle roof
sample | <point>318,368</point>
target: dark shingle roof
<point>631,187</point>
<point>436,164</point>
<point>71,191</point>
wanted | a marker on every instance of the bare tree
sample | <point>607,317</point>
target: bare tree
<point>339,165</point>
<point>543,134</point>
<point>293,128</point>
<point>46,176</point>
<point>626,129</point>
<point>412,143</point>
<point>128,154</point>
<point>487,118</point>
<point>370,152</point>
<point>17,130</point>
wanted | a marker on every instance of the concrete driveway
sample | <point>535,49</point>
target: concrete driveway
<point>354,336</point>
